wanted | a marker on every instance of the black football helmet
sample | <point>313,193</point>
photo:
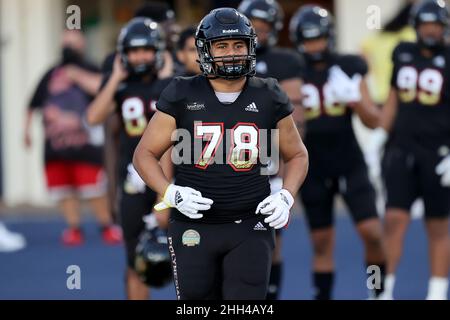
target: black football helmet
<point>312,22</point>
<point>225,23</point>
<point>153,262</point>
<point>430,11</point>
<point>141,32</point>
<point>267,10</point>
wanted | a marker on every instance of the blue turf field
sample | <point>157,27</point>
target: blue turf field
<point>39,271</point>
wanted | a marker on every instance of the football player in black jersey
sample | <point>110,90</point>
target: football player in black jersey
<point>417,157</point>
<point>221,231</point>
<point>333,90</point>
<point>187,53</point>
<point>131,90</point>
<point>284,65</point>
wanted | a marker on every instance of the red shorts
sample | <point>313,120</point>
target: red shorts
<point>66,178</point>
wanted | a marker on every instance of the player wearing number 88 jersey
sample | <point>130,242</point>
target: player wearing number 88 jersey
<point>130,91</point>
<point>221,249</point>
<point>415,164</point>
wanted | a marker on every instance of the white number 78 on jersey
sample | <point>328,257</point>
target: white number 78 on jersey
<point>244,149</point>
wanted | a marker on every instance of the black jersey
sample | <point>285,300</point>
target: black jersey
<point>330,138</point>
<point>423,114</point>
<point>279,63</point>
<point>136,104</point>
<point>227,169</point>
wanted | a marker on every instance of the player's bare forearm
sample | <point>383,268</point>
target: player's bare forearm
<point>103,104</point>
<point>367,111</point>
<point>389,111</point>
<point>155,141</point>
<point>294,154</point>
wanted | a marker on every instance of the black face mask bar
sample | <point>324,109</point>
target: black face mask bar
<point>232,67</point>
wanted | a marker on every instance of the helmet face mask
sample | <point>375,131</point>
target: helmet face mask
<point>141,33</point>
<point>225,24</point>
<point>309,23</point>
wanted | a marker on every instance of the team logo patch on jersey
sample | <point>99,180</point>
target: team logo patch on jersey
<point>191,238</point>
<point>259,227</point>
<point>251,107</point>
<point>195,106</point>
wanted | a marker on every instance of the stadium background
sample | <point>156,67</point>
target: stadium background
<point>29,44</point>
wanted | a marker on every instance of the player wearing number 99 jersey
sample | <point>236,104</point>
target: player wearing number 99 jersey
<point>131,91</point>
<point>220,248</point>
<point>417,157</point>
<point>333,89</point>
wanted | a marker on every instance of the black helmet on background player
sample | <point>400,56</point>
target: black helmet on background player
<point>430,11</point>
<point>312,22</point>
<point>225,23</point>
<point>153,262</point>
<point>161,13</point>
<point>267,10</point>
<point>141,33</point>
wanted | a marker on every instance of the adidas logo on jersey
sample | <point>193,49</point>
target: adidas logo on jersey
<point>251,107</point>
<point>259,227</point>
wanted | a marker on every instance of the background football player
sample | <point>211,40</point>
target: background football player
<point>132,90</point>
<point>284,65</point>
<point>187,53</point>
<point>417,162</point>
<point>333,90</point>
<point>222,249</point>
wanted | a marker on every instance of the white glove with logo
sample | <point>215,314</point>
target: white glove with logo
<point>277,207</point>
<point>135,180</point>
<point>443,169</point>
<point>187,200</point>
<point>344,89</point>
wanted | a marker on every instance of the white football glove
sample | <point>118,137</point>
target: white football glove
<point>344,89</point>
<point>135,180</point>
<point>374,149</point>
<point>187,200</point>
<point>443,169</point>
<point>277,207</point>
